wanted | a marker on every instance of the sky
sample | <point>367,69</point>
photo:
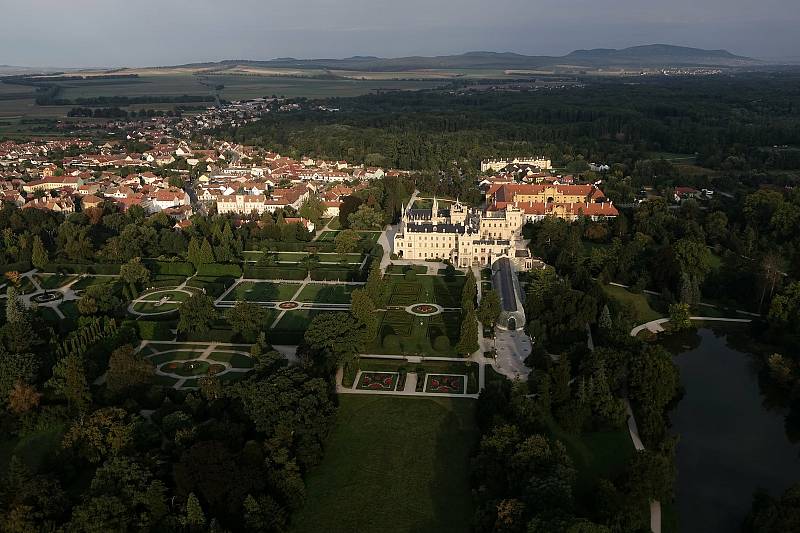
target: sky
<point>115,33</point>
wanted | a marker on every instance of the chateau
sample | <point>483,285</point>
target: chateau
<point>468,236</point>
<point>463,235</point>
<point>568,202</point>
<point>499,164</point>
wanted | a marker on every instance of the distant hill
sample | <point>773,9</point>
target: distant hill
<point>647,56</point>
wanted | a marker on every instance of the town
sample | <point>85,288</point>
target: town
<point>487,293</point>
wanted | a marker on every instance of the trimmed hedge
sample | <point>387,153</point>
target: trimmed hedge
<point>274,272</point>
<point>76,268</point>
<point>164,268</point>
<point>337,274</point>
<point>22,266</point>
<point>218,335</point>
<point>319,246</point>
<point>220,270</point>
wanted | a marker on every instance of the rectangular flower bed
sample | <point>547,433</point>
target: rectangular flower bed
<point>445,383</point>
<point>377,381</point>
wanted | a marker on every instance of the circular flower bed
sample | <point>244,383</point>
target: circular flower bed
<point>216,368</point>
<point>186,368</point>
<point>288,305</point>
<point>46,297</point>
<point>425,309</point>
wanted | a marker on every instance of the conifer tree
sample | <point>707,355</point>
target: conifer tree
<point>39,256</point>
<point>468,341</point>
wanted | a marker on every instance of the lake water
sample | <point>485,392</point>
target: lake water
<point>730,443</point>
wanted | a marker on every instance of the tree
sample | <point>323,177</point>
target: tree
<point>365,217</point>
<point>127,370</point>
<point>339,334</point>
<point>134,272</point>
<point>653,383</point>
<point>247,319</point>
<point>774,515</point>
<point>350,204</point>
<point>679,317</point>
<point>469,292</point>
<point>22,398</point>
<point>263,514</point>
<point>69,381</point>
<point>347,241</point>
<point>376,288</point>
<point>39,256</point>
<point>468,340</point>
<point>489,309</point>
<point>206,255</point>
<point>363,309</point>
<point>195,518</point>
<point>197,314</point>
<point>312,209</point>
<point>99,299</point>
<point>103,433</point>
<point>15,368</point>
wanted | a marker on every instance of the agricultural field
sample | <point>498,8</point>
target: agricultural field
<point>408,473</point>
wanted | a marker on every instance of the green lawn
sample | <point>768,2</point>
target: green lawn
<point>335,224</point>
<point>330,294</point>
<point>263,291</point>
<point>53,281</point>
<point>596,454</point>
<point>88,281</point>
<point>328,235</point>
<point>639,303</point>
<point>393,465</point>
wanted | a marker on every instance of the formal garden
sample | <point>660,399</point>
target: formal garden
<point>180,365</point>
<point>445,383</point>
<point>377,381</point>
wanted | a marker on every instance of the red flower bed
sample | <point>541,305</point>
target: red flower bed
<point>382,381</point>
<point>446,384</point>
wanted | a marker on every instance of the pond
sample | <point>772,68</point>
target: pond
<point>731,443</point>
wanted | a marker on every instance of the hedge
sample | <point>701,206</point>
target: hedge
<point>274,272</point>
<point>219,270</point>
<point>22,266</point>
<point>337,274</point>
<point>76,268</point>
<point>164,268</point>
<point>319,246</point>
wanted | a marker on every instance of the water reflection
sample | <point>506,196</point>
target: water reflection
<point>733,438</point>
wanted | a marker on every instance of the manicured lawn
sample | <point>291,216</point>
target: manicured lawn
<point>263,291</point>
<point>329,294</point>
<point>335,224</point>
<point>153,307</point>
<point>297,320</point>
<point>328,235</point>
<point>599,454</point>
<point>371,235</point>
<point>175,356</point>
<point>53,281</point>
<point>640,303</point>
<point>88,281</point>
<point>158,294</point>
<point>402,269</point>
<point>393,465</point>
<point>70,309</point>
<point>236,360</point>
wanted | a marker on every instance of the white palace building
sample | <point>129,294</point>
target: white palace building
<point>463,235</point>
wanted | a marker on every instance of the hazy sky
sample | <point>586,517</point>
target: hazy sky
<point>70,33</point>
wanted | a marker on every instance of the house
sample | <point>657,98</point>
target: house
<point>88,201</point>
<point>684,193</point>
<point>52,183</point>
<point>166,198</point>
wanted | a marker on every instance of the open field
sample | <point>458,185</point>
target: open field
<point>640,303</point>
<point>410,472</point>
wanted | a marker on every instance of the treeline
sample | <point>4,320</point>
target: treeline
<point>717,118</point>
<point>116,112</point>
<point>49,97</point>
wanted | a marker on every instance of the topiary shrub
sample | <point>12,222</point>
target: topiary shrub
<point>391,343</point>
<point>441,344</point>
